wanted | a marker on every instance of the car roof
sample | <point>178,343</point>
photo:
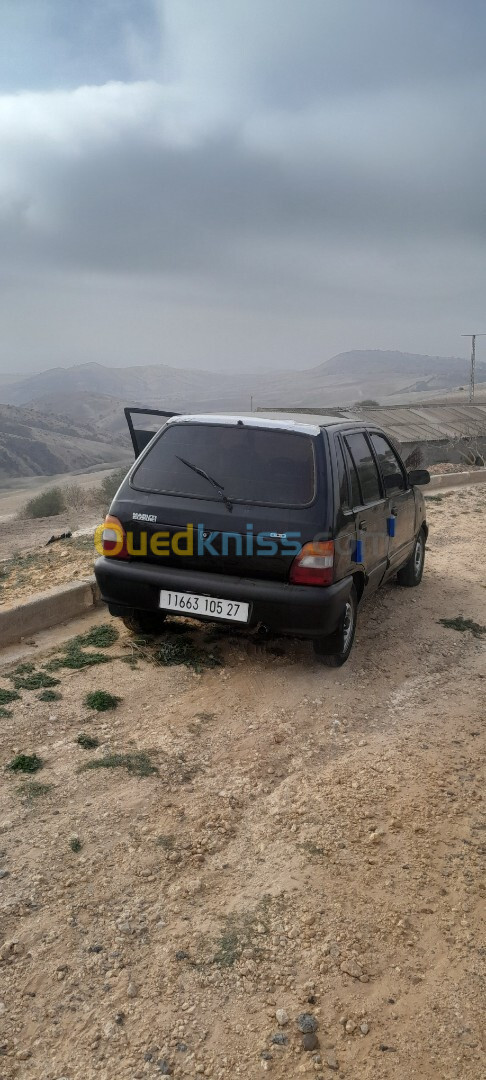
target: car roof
<point>307,423</point>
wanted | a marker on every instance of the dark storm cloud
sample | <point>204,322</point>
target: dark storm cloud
<point>324,156</point>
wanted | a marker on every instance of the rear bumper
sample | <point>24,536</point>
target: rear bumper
<point>300,610</point>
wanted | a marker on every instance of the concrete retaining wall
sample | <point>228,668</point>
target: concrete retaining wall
<point>458,479</point>
<point>47,609</point>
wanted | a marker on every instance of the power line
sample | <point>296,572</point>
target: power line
<point>473,363</point>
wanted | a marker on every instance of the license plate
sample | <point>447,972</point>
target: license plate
<point>211,606</point>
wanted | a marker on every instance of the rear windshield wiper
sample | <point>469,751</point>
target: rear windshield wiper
<point>210,479</point>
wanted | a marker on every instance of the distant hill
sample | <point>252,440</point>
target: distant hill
<point>36,444</point>
<point>97,412</point>
<point>345,378</point>
<point>373,373</point>
<point>157,385</point>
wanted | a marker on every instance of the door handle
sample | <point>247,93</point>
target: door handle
<point>362,525</point>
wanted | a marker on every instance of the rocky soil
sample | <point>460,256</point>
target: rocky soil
<point>296,890</point>
<point>57,564</point>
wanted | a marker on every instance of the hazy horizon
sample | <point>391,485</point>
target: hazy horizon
<point>243,186</point>
<point>19,376</point>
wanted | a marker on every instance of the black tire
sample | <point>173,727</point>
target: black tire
<point>144,622</point>
<point>411,574</point>
<point>335,649</point>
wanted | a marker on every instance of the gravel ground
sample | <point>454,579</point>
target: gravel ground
<point>33,572</point>
<point>296,891</point>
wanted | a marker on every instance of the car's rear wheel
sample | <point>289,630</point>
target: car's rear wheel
<point>411,574</point>
<point>144,622</point>
<point>334,650</point>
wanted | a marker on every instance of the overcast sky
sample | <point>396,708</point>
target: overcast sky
<point>218,183</point>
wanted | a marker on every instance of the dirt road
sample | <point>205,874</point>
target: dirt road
<point>311,842</point>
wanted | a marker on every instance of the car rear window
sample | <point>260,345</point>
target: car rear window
<point>251,465</point>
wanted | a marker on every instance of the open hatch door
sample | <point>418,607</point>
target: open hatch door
<point>143,424</point>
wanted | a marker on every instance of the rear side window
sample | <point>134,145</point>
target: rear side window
<point>342,476</point>
<point>250,464</point>
<point>391,469</point>
<point>366,467</point>
<point>356,499</point>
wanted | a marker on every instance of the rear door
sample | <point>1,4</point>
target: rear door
<point>143,424</point>
<point>248,495</point>
<point>371,511</point>
<point>400,499</point>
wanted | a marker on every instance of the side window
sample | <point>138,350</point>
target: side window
<point>391,469</point>
<point>356,498</point>
<point>366,467</point>
<point>342,476</point>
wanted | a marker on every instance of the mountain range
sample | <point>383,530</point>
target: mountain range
<point>343,379</point>
<point>71,418</point>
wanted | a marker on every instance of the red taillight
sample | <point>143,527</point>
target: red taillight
<point>114,538</point>
<point>314,565</point>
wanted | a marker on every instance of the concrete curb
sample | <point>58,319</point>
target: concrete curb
<point>452,480</point>
<point>48,609</point>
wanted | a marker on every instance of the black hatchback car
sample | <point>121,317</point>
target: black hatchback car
<point>278,522</point>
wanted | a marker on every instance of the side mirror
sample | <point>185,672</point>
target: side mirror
<point>418,476</point>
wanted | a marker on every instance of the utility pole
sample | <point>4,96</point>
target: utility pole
<point>473,363</point>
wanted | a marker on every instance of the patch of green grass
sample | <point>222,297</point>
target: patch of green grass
<point>33,789</point>
<point>173,651</point>
<point>75,844</point>
<point>6,696</point>
<point>101,637</point>
<point>75,658</point>
<point>24,669</point>
<point>434,498</point>
<point>136,762</point>
<point>28,763</point>
<point>241,931</point>
<point>36,681</point>
<point>4,713</point>
<point>230,947</point>
<point>75,655</point>
<point>88,742</point>
<point>462,624</point>
<point>49,695</point>
<point>101,701</point>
